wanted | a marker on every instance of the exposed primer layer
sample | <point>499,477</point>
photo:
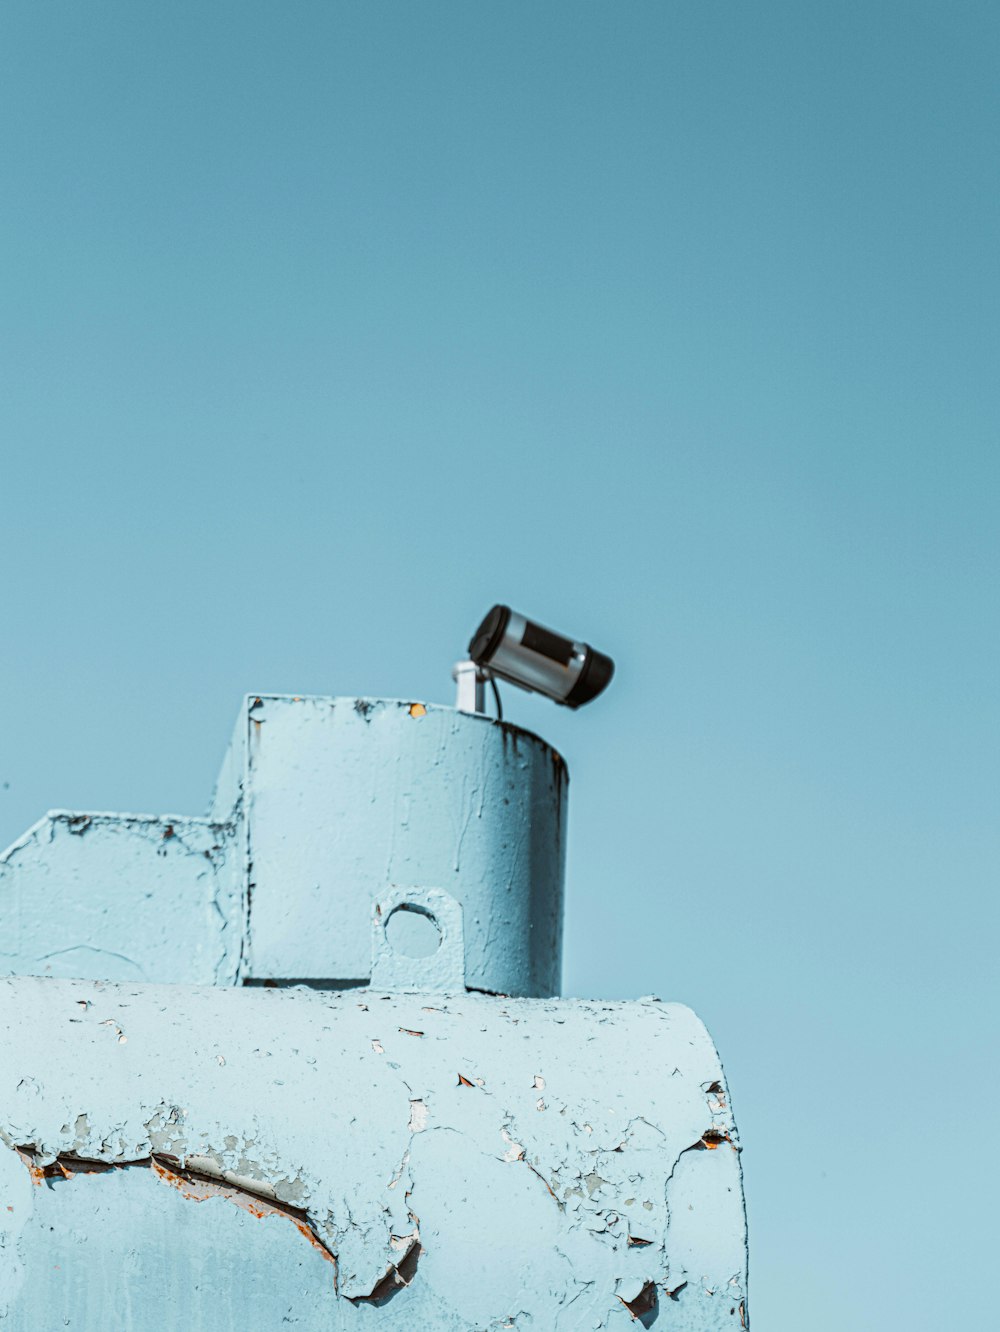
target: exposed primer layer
<point>466,1163</point>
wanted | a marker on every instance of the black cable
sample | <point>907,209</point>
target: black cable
<point>496,695</point>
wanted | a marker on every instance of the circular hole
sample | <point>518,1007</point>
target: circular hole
<point>413,931</point>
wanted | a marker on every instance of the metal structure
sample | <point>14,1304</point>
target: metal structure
<point>300,1063</point>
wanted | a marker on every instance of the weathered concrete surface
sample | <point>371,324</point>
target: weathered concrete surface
<point>422,1162</point>
<point>123,897</point>
<point>321,805</point>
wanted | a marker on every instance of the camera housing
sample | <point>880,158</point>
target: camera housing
<point>511,647</point>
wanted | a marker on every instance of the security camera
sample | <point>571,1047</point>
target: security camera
<point>511,647</point>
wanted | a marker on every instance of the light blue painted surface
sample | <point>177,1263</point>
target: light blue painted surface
<point>345,797</point>
<point>123,897</point>
<point>326,324</point>
<point>412,1155</point>
<point>321,805</point>
<point>539,1161</point>
<point>396,962</point>
<point>135,1255</point>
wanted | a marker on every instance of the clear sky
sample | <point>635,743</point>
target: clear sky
<point>326,325</point>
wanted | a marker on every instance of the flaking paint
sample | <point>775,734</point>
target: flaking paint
<point>410,1154</point>
<point>390,1125</point>
<point>320,805</point>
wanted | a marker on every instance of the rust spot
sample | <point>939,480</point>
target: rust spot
<point>464,1082</point>
<point>199,1188</point>
<point>644,1303</point>
<point>408,1032</point>
<point>743,1314</point>
<point>636,1242</point>
<point>70,1166</point>
<point>417,710</point>
<point>63,1167</point>
<point>713,1089</point>
<point>168,1170</point>
<point>711,1139</point>
<point>39,1174</point>
<point>552,1192</point>
<point>168,831</point>
<point>305,1230</point>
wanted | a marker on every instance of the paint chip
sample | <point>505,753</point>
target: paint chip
<point>644,1302</point>
<point>711,1139</point>
<point>418,1116</point>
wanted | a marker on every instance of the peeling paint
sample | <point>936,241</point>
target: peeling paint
<point>449,1158</point>
<point>642,1306</point>
<point>192,1185</point>
<point>167,905</point>
<point>346,799</point>
<point>320,806</point>
<point>614,1188</point>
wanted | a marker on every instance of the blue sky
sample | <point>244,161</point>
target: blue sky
<point>324,326</point>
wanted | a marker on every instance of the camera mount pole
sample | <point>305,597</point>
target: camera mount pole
<point>470,680</point>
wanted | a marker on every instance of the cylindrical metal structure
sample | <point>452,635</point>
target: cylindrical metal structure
<point>322,805</point>
<point>386,1149</point>
<point>343,798</point>
<point>405,1162</point>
